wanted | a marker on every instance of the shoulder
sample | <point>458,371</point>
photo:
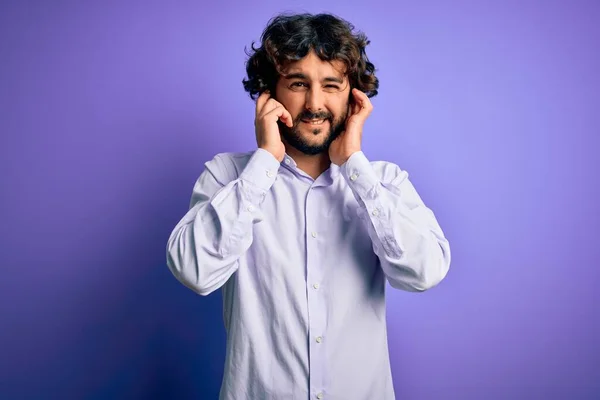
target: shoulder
<point>384,171</point>
<point>227,166</point>
<point>388,171</point>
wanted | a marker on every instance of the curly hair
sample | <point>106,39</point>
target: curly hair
<point>289,38</point>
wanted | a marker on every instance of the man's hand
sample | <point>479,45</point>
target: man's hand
<point>268,112</point>
<point>350,140</point>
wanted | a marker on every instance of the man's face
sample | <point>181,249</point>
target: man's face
<point>316,94</point>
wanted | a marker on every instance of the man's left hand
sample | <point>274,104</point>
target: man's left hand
<point>350,139</point>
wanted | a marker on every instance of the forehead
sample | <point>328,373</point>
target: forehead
<point>315,68</point>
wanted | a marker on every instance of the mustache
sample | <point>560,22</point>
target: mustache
<point>310,115</point>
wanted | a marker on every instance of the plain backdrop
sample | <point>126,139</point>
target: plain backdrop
<point>108,111</point>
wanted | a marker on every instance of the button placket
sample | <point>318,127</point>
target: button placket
<point>317,307</point>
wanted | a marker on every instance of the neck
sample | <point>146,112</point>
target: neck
<point>313,165</point>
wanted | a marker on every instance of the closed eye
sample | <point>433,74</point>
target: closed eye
<point>303,84</point>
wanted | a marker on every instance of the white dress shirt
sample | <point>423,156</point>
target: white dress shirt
<point>303,264</point>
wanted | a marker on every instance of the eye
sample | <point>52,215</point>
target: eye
<point>298,84</point>
<point>331,88</point>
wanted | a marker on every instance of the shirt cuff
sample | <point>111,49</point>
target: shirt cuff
<point>360,175</point>
<point>261,170</point>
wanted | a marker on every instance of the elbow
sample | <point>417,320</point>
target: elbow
<point>425,273</point>
<point>430,281</point>
<point>196,266</point>
<point>186,272</point>
<point>433,271</point>
<point>198,286</point>
<point>199,275</point>
<point>417,285</point>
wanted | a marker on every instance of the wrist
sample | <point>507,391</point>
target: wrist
<point>278,157</point>
<point>347,156</point>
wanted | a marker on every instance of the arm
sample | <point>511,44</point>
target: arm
<point>412,249</point>
<point>204,248</point>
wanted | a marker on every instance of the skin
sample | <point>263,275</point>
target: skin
<point>312,89</point>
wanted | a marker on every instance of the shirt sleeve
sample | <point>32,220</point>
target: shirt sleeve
<point>412,249</point>
<point>204,248</point>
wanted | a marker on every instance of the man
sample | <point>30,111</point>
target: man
<point>303,232</point>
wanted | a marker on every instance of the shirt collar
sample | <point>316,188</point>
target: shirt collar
<point>328,176</point>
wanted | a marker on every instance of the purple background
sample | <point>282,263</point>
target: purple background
<point>109,110</point>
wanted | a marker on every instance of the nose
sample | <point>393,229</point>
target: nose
<point>314,100</point>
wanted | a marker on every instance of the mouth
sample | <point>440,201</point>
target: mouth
<point>314,122</point>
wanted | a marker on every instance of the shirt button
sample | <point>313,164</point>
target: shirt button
<point>269,173</point>
<point>314,234</point>
<point>287,161</point>
<point>250,208</point>
<point>319,339</point>
<point>320,396</point>
<point>316,286</point>
<point>353,177</point>
<point>375,212</point>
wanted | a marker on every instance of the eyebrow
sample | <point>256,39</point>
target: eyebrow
<point>300,75</point>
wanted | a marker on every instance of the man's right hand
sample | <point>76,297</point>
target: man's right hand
<point>268,112</point>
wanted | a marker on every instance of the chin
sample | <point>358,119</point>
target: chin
<point>315,134</point>
<point>315,138</point>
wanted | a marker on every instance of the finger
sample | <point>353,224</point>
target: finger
<point>279,112</point>
<point>356,108</point>
<point>287,118</point>
<point>261,101</point>
<point>362,101</point>
<point>282,114</point>
<point>269,106</point>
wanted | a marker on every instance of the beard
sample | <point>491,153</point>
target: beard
<point>293,136</point>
